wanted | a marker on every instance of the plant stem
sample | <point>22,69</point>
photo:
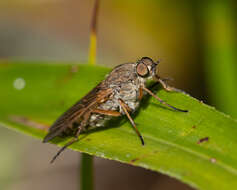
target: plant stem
<point>86,172</point>
<point>93,34</point>
<point>86,159</point>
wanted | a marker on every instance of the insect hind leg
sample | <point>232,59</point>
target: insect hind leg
<point>75,139</point>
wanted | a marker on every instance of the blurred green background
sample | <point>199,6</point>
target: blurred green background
<point>194,40</point>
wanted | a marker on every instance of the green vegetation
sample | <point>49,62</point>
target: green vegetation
<point>36,94</point>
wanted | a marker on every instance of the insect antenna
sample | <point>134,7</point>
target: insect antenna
<point>162,101</point>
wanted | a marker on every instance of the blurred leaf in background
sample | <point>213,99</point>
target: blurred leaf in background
<point>220,51</point>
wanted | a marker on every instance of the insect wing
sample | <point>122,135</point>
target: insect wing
<point>77,111</point>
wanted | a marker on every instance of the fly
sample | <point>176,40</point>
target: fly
<point>119,94</point>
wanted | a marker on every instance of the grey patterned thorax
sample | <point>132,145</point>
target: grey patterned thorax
<point>125,84</point>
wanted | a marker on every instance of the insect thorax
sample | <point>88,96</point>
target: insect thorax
<point>125,85</point>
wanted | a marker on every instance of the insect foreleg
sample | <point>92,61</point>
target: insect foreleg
<point>162,101</point>
<point>167,87</point>
<point>140,93</point>
<point>124,107</point>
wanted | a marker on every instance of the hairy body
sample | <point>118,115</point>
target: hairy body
<point>125,86</point>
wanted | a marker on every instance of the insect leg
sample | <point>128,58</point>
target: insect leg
<point>167,87</point>
<point>75,139</point>
<point>162,101</point>
<point>123,105</point>
<point>140,93</point>
<point>107,112</point>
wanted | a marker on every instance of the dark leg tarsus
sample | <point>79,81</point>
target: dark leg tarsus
<point>75,139</point>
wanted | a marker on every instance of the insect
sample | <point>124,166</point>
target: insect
<point>119,94</point>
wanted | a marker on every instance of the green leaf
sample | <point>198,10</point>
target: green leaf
<point>34,95</point>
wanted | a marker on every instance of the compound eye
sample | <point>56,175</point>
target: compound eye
<point>142,70</point>
<point>147,61</point>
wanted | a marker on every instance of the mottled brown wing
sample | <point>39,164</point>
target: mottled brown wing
<point>95,97</point>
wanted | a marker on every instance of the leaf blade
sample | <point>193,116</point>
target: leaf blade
<point>171,137</point>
